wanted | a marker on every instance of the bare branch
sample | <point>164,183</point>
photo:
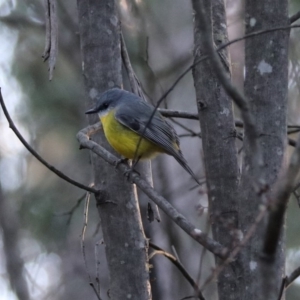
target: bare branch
<point>51,44</point>
<point>287,281</point>
<point>295,17</point>
<point>72,210</point>
<point>36,155</point>
<point>178,114</point>
<point>84,227</point>
<point>179,219</point>
<point>283,189</point>
<point>131,74</point>
<point>179,266</point>
<point>292,277</point>
<point>219,48</point>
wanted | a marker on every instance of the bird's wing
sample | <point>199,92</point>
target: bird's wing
<point>136,117</point>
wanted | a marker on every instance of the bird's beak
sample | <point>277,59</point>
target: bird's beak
<point>91,111</point>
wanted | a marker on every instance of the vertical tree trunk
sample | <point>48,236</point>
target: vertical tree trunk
<point>126,245</point>
<point>266,89</point>
<point>9,226</point>
<point>218,141</point>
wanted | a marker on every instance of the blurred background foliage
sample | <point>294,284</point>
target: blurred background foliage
<point>159,37</point>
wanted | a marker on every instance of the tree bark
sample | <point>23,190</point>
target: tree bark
<point>126,245</point>
<point>266,88</point>
<point>218,141</point>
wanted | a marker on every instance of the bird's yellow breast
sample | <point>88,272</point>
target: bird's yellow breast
<point>125,141</point>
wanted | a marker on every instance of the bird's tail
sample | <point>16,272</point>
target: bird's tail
<point>181,160</point>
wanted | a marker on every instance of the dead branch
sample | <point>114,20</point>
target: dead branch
<point>36,155</point>
<point>162,203</point>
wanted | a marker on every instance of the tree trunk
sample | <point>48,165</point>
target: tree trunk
<point>10,227</point>
<point>126,245</point>
<point>218,141</point>
<point>266,89</point>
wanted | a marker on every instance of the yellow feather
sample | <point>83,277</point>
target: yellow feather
<point>125,141</point>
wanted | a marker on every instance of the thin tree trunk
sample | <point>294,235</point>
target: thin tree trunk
<point>218,141</point>
<point>266,89</point>
<point>126,245</point>
<point>9,225</point>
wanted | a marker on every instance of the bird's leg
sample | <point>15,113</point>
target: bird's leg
<point>134,163</point>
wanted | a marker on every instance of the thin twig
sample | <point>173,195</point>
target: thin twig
<point>85,223</point>
<point>51,43</point>
<point>184,135</point>
<point>36,155</point>
<point>283,189</point>
<point>287,281</point>
<point>179,219</point>
<point>175,253</point>
<point>178,114</point>
<point>131,75</point>
<point>72,210</point>
<point>292,277</point>
<point>179,266</point>
<point>294,130</point>
<point>281,288</point>
<point>192,132</point>
<point>219,48</point>
<point>295,17</point>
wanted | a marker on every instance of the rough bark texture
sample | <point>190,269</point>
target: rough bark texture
<point>126,246</point>
<point>220,154</point>
<point>266,88</point>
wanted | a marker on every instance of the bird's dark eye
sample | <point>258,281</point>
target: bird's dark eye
<point>105,105</point>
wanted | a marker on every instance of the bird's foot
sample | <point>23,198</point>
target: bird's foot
<point>120,161</point>
<point>130,171</point>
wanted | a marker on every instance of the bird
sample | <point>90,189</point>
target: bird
<point>135,129</point>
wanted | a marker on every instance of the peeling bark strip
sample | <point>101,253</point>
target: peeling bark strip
<point>51,43</point>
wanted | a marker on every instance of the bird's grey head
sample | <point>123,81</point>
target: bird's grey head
<point>106,101</point>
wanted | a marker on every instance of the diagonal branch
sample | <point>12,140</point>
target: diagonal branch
<point>219,48</point>
<point>179,266</point>
<point>162,203</point>
<point>36,155</point>
<point>295,17</point>
<point>287,281</point>
<point>292,277</point>
<point>284,187</point>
